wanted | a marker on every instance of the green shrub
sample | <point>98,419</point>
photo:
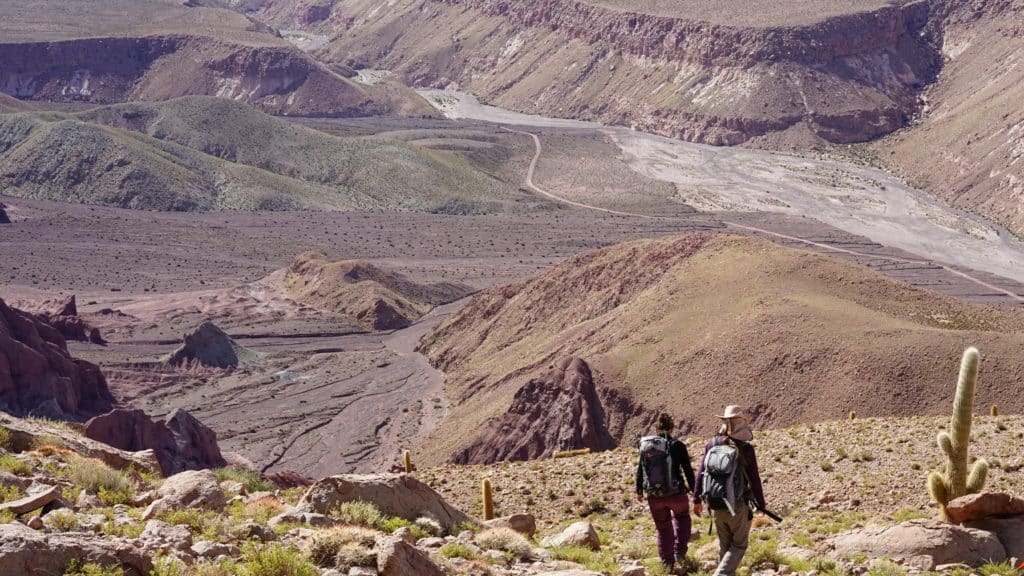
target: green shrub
<point>886,568</point>
<point>597,561</point>
<point>252,481</point>
<point>5,439</point>
<point>506,540</point>
<point>9,493</point>
<point>351,555</point>
<point>323,549</point>
<point>276,560</point>
<point>76,568</point>
<point>456,550</point>
<point>15,465</point>
<point>63,521</point>
<point>92,475</point>
<point>358,513</point>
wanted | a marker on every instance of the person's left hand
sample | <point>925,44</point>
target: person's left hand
<point>640,498</point>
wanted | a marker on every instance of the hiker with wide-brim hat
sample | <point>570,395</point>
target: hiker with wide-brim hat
<point>664,476</point>
<point>728,482</point>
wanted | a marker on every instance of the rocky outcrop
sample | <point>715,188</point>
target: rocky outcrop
<point>4,218</point>
<point>211,347</point>
<point>28,552</point>
<point>26,434</point>
<point>180,442</point>
<point>984,505</point>
<point>396,557</point>
<point>63,315</point>
<point>559,410</point>
<point>394,494</point>
<point>39,376</point>
<point>944,543</point>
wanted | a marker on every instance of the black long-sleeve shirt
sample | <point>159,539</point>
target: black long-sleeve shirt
<point>680,464</point>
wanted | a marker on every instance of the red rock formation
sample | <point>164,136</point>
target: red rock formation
<point>39,376</point>
<point>180,443</point>
<point>63,315</point>
<point>558,411</point>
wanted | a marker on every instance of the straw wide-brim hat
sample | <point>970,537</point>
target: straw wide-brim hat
<point>733,412</point>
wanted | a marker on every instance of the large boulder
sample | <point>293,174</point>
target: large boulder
<point>396,557</point>
<point>558,410</point>
<point>211,347</point>
<point>196,442</point>
<point>1010,532</point>
<point>394,494</point>
<point>983,505</point>
<point>180,443</point>
<point>580,533</point>
<point>189,489</point>
<point>944,543</point>
<point>26,552</point>
<point>39,376</point>
<point>25,434</point>
<point>522,523</point>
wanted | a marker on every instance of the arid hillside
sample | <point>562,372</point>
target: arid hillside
<point>845,73</point>
<point>374,298</point>
<point>690,323</point>
<point>968,149</point>
<point>204,153</point>
<point>122,50</point>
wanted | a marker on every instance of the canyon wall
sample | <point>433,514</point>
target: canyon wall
<point>845,79</point>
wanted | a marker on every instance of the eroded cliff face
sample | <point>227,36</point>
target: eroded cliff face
<point>968,148</point>
<point>845,79</point>
<point>276,79</point>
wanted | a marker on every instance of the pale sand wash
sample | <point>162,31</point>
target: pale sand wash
<point>854,198</point>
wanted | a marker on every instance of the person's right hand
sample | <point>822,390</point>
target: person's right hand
<point>698,509</point>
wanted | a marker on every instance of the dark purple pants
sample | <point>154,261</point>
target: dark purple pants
<point>672,520</point>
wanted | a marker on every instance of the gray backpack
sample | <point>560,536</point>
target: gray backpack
<point>656,461</point>
<point>724,480</point>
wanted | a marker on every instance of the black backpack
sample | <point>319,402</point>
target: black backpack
<point>658,468</point>
<point>724,483</point>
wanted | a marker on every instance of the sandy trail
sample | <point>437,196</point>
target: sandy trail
<point>854,198</point>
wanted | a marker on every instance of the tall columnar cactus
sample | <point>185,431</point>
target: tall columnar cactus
<point>955,482</point>
<point>407,461</point>
<point>485,488</point>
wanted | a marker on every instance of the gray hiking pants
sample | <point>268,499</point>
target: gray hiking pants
<point>733,532</point>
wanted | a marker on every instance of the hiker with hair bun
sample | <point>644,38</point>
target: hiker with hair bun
<point>728,481</point>
<point>664,475</point>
